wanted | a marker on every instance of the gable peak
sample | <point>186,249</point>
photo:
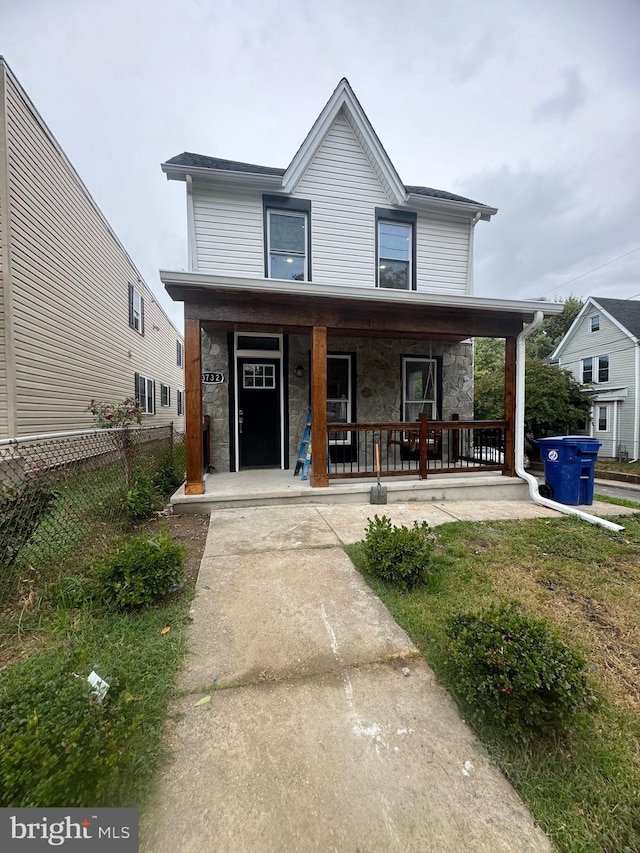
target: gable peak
<point>343,100</point>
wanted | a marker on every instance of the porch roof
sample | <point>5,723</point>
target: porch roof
<point>238,303</point>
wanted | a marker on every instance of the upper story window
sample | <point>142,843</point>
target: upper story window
<point>287,238</point>
<point>136,310</point>
<point>396,249</point>
<point>595,369</point>
<point>595,323</point>
<point>603,368</point>
<point>179,353</point>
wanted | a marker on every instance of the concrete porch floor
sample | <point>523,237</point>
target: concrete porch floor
<point>270,486</point>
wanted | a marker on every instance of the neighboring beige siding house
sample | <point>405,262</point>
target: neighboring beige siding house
<point>76,320</point>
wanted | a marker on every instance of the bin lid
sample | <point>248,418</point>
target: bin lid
<point>584,442</point>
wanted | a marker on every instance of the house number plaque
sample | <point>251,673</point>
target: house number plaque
<point>212,378</point>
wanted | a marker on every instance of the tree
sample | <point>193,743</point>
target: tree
<point>544,340</point>
<point>488,355</point>
<point>554,404</point>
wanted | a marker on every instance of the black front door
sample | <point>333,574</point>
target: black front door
<point>259,412</point>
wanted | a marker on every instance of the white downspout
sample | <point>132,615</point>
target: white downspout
<point>519,436</point>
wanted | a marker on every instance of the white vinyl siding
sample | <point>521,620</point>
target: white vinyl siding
<point>344,191</point>
<point>442,247</point>
<point>608,340</point>
<point>229,234</point>
<point>70,277</point>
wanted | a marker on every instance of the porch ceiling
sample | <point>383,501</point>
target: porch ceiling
<point>296,307</point>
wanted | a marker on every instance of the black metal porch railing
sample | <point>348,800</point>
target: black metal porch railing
<point>428,447</point>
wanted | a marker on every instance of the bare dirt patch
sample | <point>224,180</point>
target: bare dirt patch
<point>191,531</point>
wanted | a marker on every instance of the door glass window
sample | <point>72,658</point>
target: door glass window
<point>258,376</point>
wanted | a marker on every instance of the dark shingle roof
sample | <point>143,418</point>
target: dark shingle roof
<point>439,194</point>
<point>203,162</point>
<point>625,311</point>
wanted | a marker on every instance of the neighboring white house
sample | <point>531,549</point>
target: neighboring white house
<point>76,319</point>
<point>330,285</point>
<point>602,350</point>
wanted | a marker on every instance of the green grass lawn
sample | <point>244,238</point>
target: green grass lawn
<point>614,465</point>
<point>58,747</point>
<point>583,789</point>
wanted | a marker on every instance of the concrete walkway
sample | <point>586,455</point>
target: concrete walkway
<point>332,733</point>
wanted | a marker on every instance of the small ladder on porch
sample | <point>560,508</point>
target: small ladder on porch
<point>304,451</point>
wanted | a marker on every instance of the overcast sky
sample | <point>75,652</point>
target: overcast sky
<point>533,108</point>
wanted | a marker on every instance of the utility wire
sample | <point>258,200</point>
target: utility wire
<point>595,269</point>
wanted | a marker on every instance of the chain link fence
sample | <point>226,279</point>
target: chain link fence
<point>64,495</point>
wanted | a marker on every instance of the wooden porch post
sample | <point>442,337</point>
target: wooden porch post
<point>193,406</point>
<point>319,406</point>
<point>510,406</point>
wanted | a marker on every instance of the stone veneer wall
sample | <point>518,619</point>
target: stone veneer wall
<point>215,398</point>
<point>379,371</point>
<point>379,374</point>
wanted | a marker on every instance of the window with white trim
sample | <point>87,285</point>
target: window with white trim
<point>165,395</point>
<point>179,353</point>
<point>419,388</point>
<point>136,310</point>
<point>595,323</point>
<point>339,395</point>
<point>603,368</point>
<point>145,394</point>
<point>180,402</point>
<point>602,419</point>
<point>587,371</point>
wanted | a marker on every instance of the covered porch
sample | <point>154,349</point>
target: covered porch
<point>439,445</point>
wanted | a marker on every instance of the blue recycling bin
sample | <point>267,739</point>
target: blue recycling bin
<point>569,467</point>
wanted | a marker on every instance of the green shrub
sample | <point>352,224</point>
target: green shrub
<point>398,555</point>
<point>22,508</point>
<point>170,474</point>
<point>515,672</point>
<point>140,570</point>
<point>58,745</point>
<point>141,499</point>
